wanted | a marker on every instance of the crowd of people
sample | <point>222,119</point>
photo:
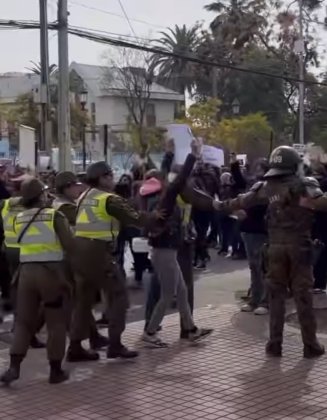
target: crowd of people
<point>64,240</point>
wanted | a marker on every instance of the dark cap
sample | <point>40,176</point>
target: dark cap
<point>98,169</point>
<point>31,189</point>
<point>65,179</point>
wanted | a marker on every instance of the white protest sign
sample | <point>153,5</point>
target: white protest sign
<point>213,155</point>
<point>26,147</point>
<point>182,136</point>
<point>300,148</point>
<point>242,159</point>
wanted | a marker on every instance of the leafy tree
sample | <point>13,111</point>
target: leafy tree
<point>24,111</point>
<point>173,71</point>
<point>238,22</point>
<point>248,134</point>
<point>202,118</point>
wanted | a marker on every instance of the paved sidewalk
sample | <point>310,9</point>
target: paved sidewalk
<point>226,377</point>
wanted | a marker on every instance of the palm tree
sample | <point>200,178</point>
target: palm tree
<point>175,71</point>
<point>36,68</point>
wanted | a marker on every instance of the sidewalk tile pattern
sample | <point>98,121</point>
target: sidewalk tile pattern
<point>226,377</point>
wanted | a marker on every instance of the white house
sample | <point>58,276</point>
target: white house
<point>106,98</point>
<point>12,85</point>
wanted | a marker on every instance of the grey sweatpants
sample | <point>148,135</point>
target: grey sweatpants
<point>171,281</point>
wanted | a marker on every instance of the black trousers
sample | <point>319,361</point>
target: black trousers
<point>320,270</point>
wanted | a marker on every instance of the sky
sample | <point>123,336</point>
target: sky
<point>19,47</point>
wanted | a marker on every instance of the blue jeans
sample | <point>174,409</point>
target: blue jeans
<point>254,243</point>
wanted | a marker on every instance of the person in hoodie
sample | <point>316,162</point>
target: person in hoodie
<point>165,241</point>
<point>204,179</point>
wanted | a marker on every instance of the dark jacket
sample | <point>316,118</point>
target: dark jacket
<point>169,233</point>
<point>319,230</point>
<point>255,221</point>
<point>239,182</point>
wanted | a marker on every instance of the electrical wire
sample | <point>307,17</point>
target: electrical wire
<point>191,58</point>
<point>96,9</point>
<point>86,34</point>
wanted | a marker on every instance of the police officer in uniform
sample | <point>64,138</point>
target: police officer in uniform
<point>290,249</point>
<point>9,209</point>
<point>44,236</point>
<point>99,214</point>
<point>68,189</point>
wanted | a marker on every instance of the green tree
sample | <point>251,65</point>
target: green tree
<point>238,22</point>
<point>202,118</point>
<point>175,72</point>
<point>248,134</point>
<point>24,111</point>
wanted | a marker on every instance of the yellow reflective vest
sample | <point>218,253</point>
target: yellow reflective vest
<point>39,242</point>
<point>185,209</point>
<point>8,213</point>
<point>93,221</point>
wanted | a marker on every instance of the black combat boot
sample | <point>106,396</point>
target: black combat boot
<point>316,350</point>
<point>98,341</point>
<point>117,350</point>
<point>274,349</point>
<point>13,373</point>
<point>121,352</point>
<point>57,374</point>
<point>36,343</point>
<point>76,353</point>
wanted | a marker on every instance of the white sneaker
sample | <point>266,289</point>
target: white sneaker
<point>261,310</point>
<point>246,308</point>
<point>153,341</point>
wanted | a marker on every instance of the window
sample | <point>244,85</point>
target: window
<point>151,115</point>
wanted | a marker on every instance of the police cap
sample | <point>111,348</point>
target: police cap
<point>98,169</point>
<point>284,160</point>
<point>66,179</point>
<point>31,189</point>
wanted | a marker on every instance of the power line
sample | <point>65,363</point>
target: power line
<point>154,50</point>
<point>191,58</point>
<point>107,12</point>
<point>126,17</point>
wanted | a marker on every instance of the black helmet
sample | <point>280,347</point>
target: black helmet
<point>284,160</point>
<point>98,169</point>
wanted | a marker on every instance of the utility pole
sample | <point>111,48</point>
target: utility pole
<point>214,83</point>
<point>105,142</point>
<point>64,141</point>
<point>45,133</point>
<point>301,75</point>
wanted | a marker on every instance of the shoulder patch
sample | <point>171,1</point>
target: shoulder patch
<point>257,186</point>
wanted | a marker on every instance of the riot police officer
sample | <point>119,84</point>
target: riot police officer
<point>289,252</point>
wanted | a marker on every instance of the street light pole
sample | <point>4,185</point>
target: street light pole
<point>83,102</point>
<point>301,75</point>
